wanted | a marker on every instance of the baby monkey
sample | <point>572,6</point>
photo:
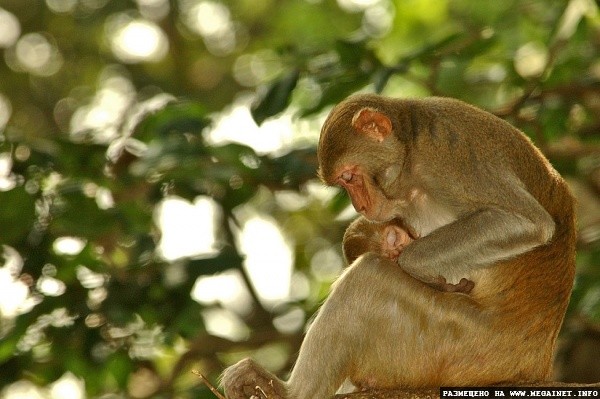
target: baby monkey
<point>389,240</point>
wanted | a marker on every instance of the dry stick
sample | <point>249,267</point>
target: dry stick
<point>209,385</point>
<point>258,388</point>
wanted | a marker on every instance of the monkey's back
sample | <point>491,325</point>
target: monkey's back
<point>526,295</point>
<point>479,141</point>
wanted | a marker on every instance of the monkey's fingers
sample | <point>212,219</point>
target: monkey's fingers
<point>465,286</point>
<point>392,254</point>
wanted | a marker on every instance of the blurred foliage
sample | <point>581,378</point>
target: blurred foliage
<point>98,128</point>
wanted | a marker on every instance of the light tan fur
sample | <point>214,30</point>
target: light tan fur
<point>484,205</point>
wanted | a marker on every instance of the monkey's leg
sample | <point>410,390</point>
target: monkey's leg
<point>376,328</point>
<point>324,357</point>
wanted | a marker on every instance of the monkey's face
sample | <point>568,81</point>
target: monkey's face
<point>358,152</point>
<point>366,195</point>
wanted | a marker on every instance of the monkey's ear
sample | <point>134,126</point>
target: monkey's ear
<point>372,123</point>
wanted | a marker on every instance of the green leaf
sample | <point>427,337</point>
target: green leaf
<point>339,202</point>
<point>120,366</point>
<point>189,321</point>
<point>177,117</point>
<point>276,98</point>
<point>432,50</point>
<point>17,214</point>
<point>225,260</point>
<point>73,207</point>
<point>353,53</point>
<point>334,92</point>
<point>293,169</point>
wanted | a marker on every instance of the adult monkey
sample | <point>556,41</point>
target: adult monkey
<point>484,206</point>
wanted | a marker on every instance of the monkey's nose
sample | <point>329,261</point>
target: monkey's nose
<point>360,208</point>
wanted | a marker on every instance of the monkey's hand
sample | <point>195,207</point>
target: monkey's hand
<point>394,241</point>
<point>246,379</point>
<point>465,286</point>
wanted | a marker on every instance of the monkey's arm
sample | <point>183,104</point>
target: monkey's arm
<point>478,239</point>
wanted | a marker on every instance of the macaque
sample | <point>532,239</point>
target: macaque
<point>479,204</point>
<point>387,239</point>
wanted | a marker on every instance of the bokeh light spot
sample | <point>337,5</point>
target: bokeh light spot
<point>10,28</point>
<point>137,40</point>
<point>37,55</point>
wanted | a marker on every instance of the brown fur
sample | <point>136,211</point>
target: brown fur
<point>483,205</point>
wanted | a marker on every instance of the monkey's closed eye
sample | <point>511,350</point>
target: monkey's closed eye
<point>347,176</point>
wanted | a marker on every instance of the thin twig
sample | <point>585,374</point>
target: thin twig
<point>209,385</point>
<point>258,388</point>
